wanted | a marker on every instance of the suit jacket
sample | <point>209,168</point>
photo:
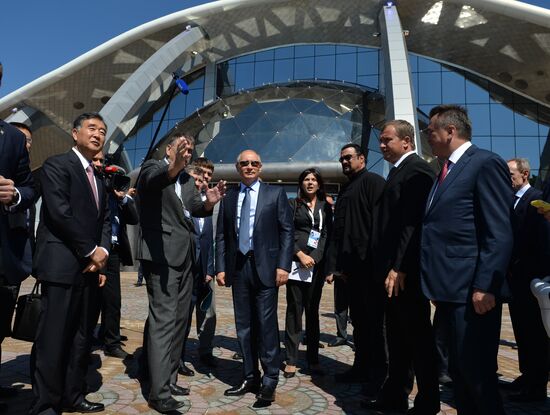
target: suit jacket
<point>128,215</point>
<point>71,224</point>
<point>402,206</point>
<point>531,240</point>
<point>15,248</point>
<point>165,232</point>
<point>273,236</point>
<point>466,232</point>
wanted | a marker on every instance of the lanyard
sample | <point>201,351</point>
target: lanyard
<point>310,213</point>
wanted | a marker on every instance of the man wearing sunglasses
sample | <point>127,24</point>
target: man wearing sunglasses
<point>349,258</point>
<point>254,249</point>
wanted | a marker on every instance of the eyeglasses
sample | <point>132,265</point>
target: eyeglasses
<point>347,157</point>
<point>254,163</point>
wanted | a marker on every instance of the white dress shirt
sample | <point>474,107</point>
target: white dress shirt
<point>254,191</point>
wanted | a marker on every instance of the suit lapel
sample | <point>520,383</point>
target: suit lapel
<point>232,200</point>
<point>260,202</point>
<point>451,176</point>
<point>80,173</point>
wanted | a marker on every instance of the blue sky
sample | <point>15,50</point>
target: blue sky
<point>38,36</point>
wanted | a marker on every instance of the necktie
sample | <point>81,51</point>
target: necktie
<point>244,226</point>
<point>444,172</point>
<point>90,173</point>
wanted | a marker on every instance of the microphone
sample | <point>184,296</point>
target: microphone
<point>181,84</point>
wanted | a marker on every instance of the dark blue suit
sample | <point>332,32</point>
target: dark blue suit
<point>253,277</point>
<point>466,245</point>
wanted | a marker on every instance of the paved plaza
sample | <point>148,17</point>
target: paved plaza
<point>115,383</point>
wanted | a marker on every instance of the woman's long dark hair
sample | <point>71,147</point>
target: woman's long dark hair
<point>321,195</point>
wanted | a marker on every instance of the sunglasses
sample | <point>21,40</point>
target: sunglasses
<point>254,163</point>
<point>347,157</point>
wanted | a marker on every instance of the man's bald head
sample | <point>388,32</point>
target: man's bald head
<point>249,166</point>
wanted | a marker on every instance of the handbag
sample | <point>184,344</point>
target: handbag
<point>27,314</point>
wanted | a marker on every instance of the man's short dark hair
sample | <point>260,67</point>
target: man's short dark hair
<point>77,124</point>
<point>204,163</point>
<point>402,129</point>
<point>453,115</point>
<point>177,135</point>
<point>356,147</point>
<point>21,126</point>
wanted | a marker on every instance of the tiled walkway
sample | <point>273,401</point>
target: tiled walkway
<point>113,382</point>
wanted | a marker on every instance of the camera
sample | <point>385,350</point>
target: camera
<point>115,178</point>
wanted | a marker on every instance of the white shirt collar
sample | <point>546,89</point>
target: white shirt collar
<point>455,155</point>
<point>403,157</point>
<point>522,191</point>
<point>85,163</point>
<point>254,186</point>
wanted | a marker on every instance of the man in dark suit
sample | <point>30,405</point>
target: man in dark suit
<point>71,248</point>
<point>465,250</point>
<point>123,211</point>
<point>409,333</point>
<point>349,257</point>
<point>254,249</point>
<point>16,195</point>
<point>201,169</point>
<point>529,261</point>
<point>166,247</point>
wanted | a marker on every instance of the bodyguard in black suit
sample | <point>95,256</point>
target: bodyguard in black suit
<point>409,333</point>
<point>254,249</point>
<point>16,195</point>
<point>72,240</point>
<point>466,245</point>
<point>530,259</point>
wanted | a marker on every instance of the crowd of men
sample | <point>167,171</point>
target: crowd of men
<point>458,239</point>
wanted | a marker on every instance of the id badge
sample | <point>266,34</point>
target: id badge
<point>313,240</point>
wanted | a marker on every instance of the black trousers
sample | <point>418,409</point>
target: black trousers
<point>473,358</point>
<point>367,317</point>
<point>8,299</point>
<point>111,302</point>
<point>300,297</point>
<point>531,337</point>
<point>341,306</point>
<point>442,334</point>
<point>412,351</point>
<point>255,307</point>
<point>62,347</point>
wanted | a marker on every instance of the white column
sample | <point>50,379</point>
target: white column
<point>210,83</point>
<point>396,83</point>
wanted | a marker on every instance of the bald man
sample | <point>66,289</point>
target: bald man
<point>254,249</point>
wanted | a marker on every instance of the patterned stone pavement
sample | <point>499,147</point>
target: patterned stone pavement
<point>114,382</point>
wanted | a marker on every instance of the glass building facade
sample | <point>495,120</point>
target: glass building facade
<point>503,122</point>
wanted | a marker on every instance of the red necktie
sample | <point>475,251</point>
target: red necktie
<point>444,172</point>
<point>90,173</point>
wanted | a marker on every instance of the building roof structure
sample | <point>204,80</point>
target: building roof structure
<point>505,41</point>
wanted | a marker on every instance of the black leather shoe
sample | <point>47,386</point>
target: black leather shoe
<point>7,392</point>
<point>245,387</point>
<point>165,406</point>
<point>516,385</point>
<point>529,395</point>
<point>208,360</point>
<point>266,394</point>
<point>123,338</point>
<point>118,353</point>
<point>86,407</point>
<point>385,406</point>
<point>237,356</point>
<point>185,370</point>
<point>178,390</point>
<point>338,341</point>
<point>445,380</point>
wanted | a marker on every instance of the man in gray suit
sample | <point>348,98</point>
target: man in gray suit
<point>167,200</point>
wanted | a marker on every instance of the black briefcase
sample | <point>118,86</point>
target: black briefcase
<point>27,313</point>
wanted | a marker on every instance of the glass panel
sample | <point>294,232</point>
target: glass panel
<point>303,68</point>
<point>284,70</point>
<point>144,136</point>
<point>544,130</point>
<point>139,155</point>
<point>482,142</point>
<point>370,81</point>
<point>476,94</point>
<point>528,147</point>
<point>304,51</point>
<point>413,62</point>
<point>325,67</point>
<point>325,50</point>
<point>429,88</point>
<point>502,120</point>
<point>245,59</point>
<point>453,88</point>
<point>286,52</point>
<point>177,106</point>
<point>481,122</point>
<point>130,143</point>
<point>426,65</point>
<point>505,147</point>
<point>341,49</point>
<point>195,101</point>
<point>525,125</point>
<point>346,67</point>
<point>266,55</point>
<point>263,73</point>
<point>367,63</point>
<point>244,78</point>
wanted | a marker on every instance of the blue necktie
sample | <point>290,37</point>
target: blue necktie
<point>244,226</point>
